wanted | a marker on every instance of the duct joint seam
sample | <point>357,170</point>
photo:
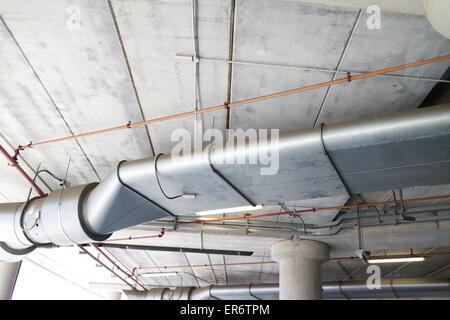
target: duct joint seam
<point>21,222</point>
<point>250,292</point>
<point>126,186</point>
<point>13,251</point>
<point>83,220</point>
<point>327,156</point>
<point>227,181</point>
<point>211,295</point>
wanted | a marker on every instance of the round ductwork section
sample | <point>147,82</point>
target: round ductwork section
<point>58,219</point>
<point>14,246</point>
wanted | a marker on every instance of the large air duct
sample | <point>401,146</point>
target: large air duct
<point>395,151</point>
<point>389,289</point>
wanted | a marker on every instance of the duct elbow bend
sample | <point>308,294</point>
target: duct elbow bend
<point>58,219</point>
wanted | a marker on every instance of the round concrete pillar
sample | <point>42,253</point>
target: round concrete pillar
<point>300,264</point>
<point>8,276</point>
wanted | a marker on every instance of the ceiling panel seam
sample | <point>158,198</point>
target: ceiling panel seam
<point>156,265</point>
<point>194,25</point>
<point>209,258</point>
<point>192,269</point>
<point>130,73</point>
<point>261,268</point>
<point>230,59</point>
<point>111,252</point>
<point>52,102</point>
<point>439,270</point>
<point>212,269</point>
<point>4,196</point>
<point>341,59</point>
<point>225,269</point>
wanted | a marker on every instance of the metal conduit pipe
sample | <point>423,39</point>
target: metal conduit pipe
<point>285,231</point>
<point>358,156</point>
<point>390,289</point>
<point>250,223</point>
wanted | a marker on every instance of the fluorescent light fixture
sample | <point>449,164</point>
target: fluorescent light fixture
<point>159,274</point>
<point>229,210</point>
<point>395,260</point>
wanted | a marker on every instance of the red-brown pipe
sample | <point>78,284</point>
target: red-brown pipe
<point>117,266</point>
<point>13,163</point>
<point>246,101</point>
<point>373,204</point>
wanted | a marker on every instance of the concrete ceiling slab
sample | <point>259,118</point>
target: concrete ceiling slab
<point>288,113</point>
<point>290,33</point>
<point>154,33</point>
<point>82,68</point>
<point>402,39</point>
<point>279,32</point>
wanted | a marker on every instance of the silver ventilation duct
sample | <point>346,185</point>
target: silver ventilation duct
<point>395,151</point>
<point>389,289</point>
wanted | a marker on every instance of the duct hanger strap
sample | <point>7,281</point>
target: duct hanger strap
<point>82,217</point>
<point>325,152</point>
<point>128,187</point>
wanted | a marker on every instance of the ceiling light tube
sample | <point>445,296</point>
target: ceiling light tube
<point>159,274</point>
<point>229,210</point>
<point>396,260</point>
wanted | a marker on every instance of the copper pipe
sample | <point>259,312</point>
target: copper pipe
<point>238,103</point>
<point>373,204</point>
<point>207,265</point>
<point>117,266</point>
<point>350,258</point>
<point>12,161</point>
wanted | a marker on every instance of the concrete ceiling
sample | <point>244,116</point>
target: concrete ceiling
<point>71,66</point>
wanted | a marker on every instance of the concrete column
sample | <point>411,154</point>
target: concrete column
<point>8,276</point>
<point>300,264</point>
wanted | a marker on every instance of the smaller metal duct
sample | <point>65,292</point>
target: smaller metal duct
<point>390,289</point>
